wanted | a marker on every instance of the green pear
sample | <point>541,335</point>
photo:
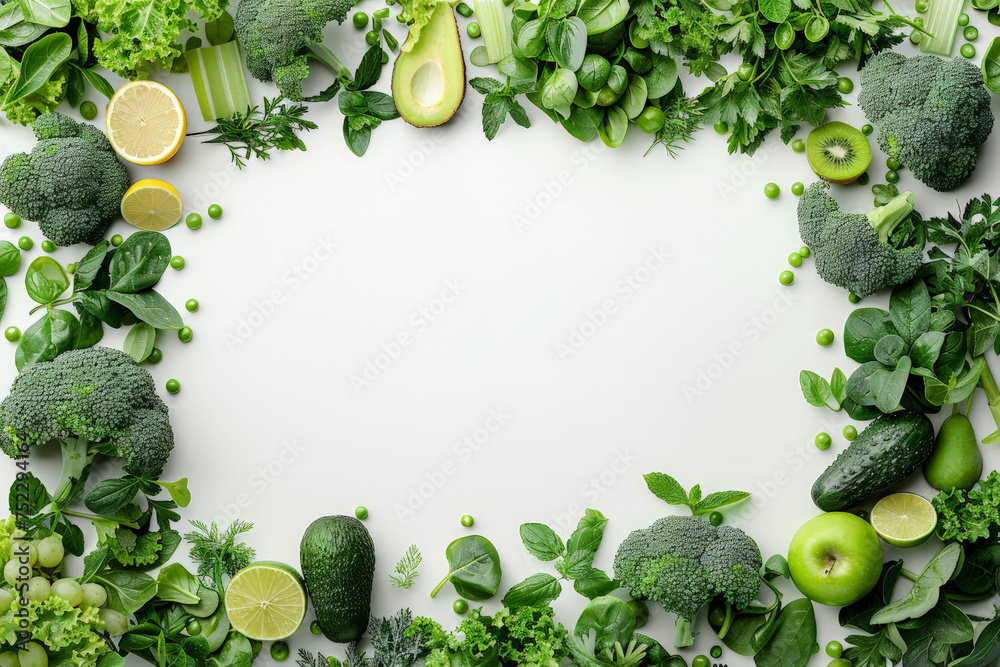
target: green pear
<point>955,462</point>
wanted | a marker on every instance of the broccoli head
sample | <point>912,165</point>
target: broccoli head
<point>72,182</point>
<point>852,250</point>
<point>684,562</point>
<point>278,36</point>
<point>96,400</point>
<point>932,114</point>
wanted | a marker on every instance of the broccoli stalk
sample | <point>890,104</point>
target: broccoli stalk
<point>886,218</point>
<point>75,459</point>
<point>683,632</point>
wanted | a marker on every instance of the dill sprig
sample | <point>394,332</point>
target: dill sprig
<point>217,553</point>
<point>683,117</point>
<point>405,574</point>
<point>257,132</point>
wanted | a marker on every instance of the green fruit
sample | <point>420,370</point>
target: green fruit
<point>883,455</point>
<point>955,462</point>
<point>338,564</point>
<point>428,80</point>
<point>835,559</point>
<point>838,153</point>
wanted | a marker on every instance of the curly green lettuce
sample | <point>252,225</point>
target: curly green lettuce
<point>7,528</point>
<point>969,516</point>
<point>43,100</point>
<point>143,33</point>
<point>69,634</point>
<point>417,13</point>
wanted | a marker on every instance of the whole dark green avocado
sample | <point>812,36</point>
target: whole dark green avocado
<point>337,556</point>
<point>883,455</point>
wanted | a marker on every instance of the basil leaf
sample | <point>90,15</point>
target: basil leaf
<point>864,328</point>
<point>595,583</point>
<point>473,568</point>
<point>99,83</point>
<point>28,496</point>
<point>357,140</point>
<point>538,590</point>
<point>926,589</point>
<point>817,391</point>
<point>53,334</point>
<point>541,541</point>
<point>139,262</point>
<point>150,307</point>
<point>531,39</point>
<point>139,341</point>
<point>910,310</point>
<point>45,280</point>
<point>588,535</point>
<point>567,42</point>
<point>380,105</point>
<point>110,496</point>
<point>792,642</point>
<point>40,61</point>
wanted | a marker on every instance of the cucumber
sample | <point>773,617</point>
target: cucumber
<point>883,455</point>
<point>338,565</point>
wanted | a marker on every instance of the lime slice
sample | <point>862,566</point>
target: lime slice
<point>152,204</point>
<point>266,601</point>
<point>904,519</point>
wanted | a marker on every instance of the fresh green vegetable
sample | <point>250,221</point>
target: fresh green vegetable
<point>177,262</point>
<point>786,278</point>
<point>823,441</point>
<point>794,259</point>
<point>669,490</point>
<point>215,211</point>
<point>943,19</point>
<point>970,516</point>
<point>968,51</point>
<point>338,566</point>
<point>856,251</point>
<point>117,240</point>
<point>685,562</point>
<point>799,146</point>
<point>405,573</point>
<point>824,337</point>
<point>217,553</point>
<point>772,191</point>
<point>460,607</point>
<point>71,183</point>
<point>11,220</point>
<point>495,23</point>
<point>219,81</point>
<point>13,334</point>
<point>850,432</point>
<point>360,20</point>
<point>172,386</point>
<point>942,151</point>
<point>884,454</point>
<point>193,221</point>
<point>185,334</point>
<point>955,461</point>
<point>191,305</point>
<point>473,568</point>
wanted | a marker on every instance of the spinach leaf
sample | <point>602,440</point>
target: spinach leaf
<point>27,496</point>
<point>127,591</point>
<point>149,306</point>
<point>890,350</point>
<point>40,61</point>
<point>888,388</point>
<point>139,341</point>
<point>816,390</point>
<point>45,280</point>
<point>601,15</point>
<point>139,262</point>
<point>925,350</point>
<point>538,590</point>
<point>910,310</point>
<point>50,13</point>
<point>10,256</point>
<point>859,615</point>
<point>777,566</point>
<point>176,584</point>
<point>979,570</point>
<point>991,66</point>
<point>611,619</point>
<point>662,78</point>
<point>53,334</point>
<point>987,649</point>
<point>859,387</point>
<point>793,641</point>
<point>926,590</point>
<point>473,568</point>
<point>864,328</point>
<point>567,42</point>
<point>88,267</point>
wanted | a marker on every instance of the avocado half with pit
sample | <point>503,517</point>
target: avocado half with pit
<point>428,79</point>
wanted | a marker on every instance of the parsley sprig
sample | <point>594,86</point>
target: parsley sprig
<point>217,553</point>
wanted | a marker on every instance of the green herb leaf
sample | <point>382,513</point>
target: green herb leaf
<point>541,541</point>
<point>473,568</point>
<point>926,590</point>
<point>538,590</point>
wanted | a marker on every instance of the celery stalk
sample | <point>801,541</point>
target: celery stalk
<point>942,23</point>
<point>219,81</point>
<point>495,23</point>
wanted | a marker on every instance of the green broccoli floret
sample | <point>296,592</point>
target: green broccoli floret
<point>278,36</point>
<point>71,183</point>
<point>852,250</point>
<point>684,562</point>
<point>91,401</point>
<point>932,114</point>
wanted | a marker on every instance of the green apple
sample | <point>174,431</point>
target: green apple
<point>835,558</point>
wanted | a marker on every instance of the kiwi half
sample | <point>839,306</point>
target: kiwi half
<point>838,153</point>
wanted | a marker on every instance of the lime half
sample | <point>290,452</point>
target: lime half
<point>904,519</point>
<point>266,601</point>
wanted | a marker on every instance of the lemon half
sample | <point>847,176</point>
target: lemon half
<point>145,122</point>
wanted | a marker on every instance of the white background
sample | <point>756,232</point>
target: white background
<point>270,428</point>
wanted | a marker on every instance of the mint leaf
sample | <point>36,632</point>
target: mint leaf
<point>666,488</point>
<point>719,499</point>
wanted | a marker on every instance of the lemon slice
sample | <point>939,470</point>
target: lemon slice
<point>904,519</point>
<point>266,601</point>
<point>152,204</point>
<point>146,122</point>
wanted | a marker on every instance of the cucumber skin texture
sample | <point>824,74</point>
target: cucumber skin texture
<point>883,455</point>
<point>337,556</point>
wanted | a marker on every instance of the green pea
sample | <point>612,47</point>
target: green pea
<point>279,651</point>
<point>850,433</point>
<point>48,246</point>
<point>867,129</point>
<point>891,176</point>
<point>315,629</point>
<point>360,20</point>
<point>192,305</point>
<point>717,617</point>
<point>13,334</point>
<point>716,652</point>
<point>460,606</point>
<point>117,240</point>
<point>361,512</point>
<point>795,259</point>
<point>805,251</point>
<point>834,649</point>
<point>185,334</point>
<point>863,179</point>
<point>798,189</point>
<point>823,441</point>
<point>916,37</point>
<point>177,262</point>
<point>772,191</point>
<point>721,128</point>
<point>971,33</point>
<point>193,221</point>
<point>853,298</point>
<point>716,519</point>
<point>963,19</point>
<point>745,71</point>
<point>467,520</point>
<point>173,386</point>
<point>786,278</point>
<point>464,9</point>
<point>88,110</point>
<point>12,220</point>
<point>25,243</point>
<point>474,30</point>
<point>371,38</point>
<point>799,146</point>
<point>968,51</point>
<point>922,6</point>
<point>193,627</point>
<point>845,85</point>
<point>824,337</point>
<point>71,268</point>
<point>893,164</point>
<point>155,355</point>
<point>215,211</point>
<point>701,661</point>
